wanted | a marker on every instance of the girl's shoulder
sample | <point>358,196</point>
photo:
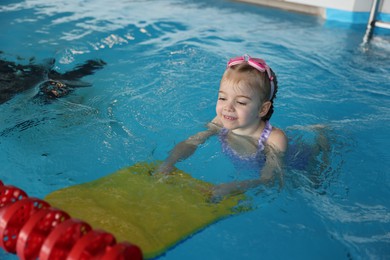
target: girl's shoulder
<point>278,139</point>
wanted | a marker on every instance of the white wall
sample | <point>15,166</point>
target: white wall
<point>346,5</point>
<point>319,7</point>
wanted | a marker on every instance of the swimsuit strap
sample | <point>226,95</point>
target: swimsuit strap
<point>224,131</point>
<point>264,135</point>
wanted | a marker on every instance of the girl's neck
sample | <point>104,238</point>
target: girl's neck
<point>254,131</point>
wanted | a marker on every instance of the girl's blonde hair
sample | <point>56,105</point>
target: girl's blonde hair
<point>257,80</point>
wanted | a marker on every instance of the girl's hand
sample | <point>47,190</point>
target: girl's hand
<point>165,168</point>
<point>219,192</point>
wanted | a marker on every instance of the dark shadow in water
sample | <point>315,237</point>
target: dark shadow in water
<point>25,125</point>
<point>16,78</point>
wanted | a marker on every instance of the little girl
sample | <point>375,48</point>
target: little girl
<point>244,108</point>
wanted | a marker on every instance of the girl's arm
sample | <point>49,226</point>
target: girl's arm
<point>274,151</point>
<point>186,148</point>
<point>273,167</point>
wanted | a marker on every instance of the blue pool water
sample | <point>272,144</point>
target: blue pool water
<point>164,62</point>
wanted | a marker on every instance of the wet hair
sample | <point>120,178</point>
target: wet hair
<point>259,81</point>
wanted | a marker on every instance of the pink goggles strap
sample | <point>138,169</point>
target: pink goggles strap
<point>256,63</point>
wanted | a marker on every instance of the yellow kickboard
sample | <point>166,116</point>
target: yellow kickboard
<point>154,212</point>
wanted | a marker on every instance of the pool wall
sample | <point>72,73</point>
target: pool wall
<point>349,11</point>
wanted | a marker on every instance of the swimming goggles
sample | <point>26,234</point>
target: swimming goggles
<point>256,63</point>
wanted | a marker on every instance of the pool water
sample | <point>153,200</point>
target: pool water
<point>164,62</point>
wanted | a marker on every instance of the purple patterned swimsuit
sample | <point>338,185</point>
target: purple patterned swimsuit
<point>254,160</point>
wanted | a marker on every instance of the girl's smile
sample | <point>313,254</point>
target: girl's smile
<point>238,108</point>
<point>230,118</point>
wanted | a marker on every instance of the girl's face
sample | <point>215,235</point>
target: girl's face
<point>239,107</point>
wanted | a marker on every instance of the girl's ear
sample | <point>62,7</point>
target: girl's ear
<point>264,108</point>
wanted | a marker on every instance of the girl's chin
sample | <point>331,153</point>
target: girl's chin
<point>228,123</point>
<point>229,127</point>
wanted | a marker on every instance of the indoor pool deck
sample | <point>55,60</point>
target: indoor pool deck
<point>289,6</point>
<point>349,11</point>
